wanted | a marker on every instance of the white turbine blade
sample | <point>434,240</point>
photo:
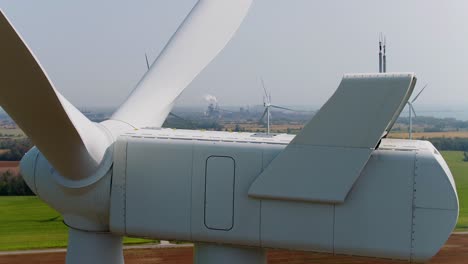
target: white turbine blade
<point>266,93</point>
<point>147,62</point>
<point>183,119</point>
<point>224,110</point>
<point>69,141</point>
<point>177,116</point>
<point>263,115</point>
<point>201,36</point>
<point>284,108</point>
<point>415,98</point>
<point>292,110</point>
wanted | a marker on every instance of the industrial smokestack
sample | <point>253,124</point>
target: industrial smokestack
<point>385,55</point>
<point>380,52</point>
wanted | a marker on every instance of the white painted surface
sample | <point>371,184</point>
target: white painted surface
<point>297,226</point>
<point>248,161</point>
<point>215,254</point>
<point>219,192</point>
<point>321,174</point>
<point>210,136</point>
<point>433,191</point>
<point>158,183</point>
<point>376,219</point>
<point>432,228</point>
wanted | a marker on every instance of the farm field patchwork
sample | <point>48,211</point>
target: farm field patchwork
<point>28,223</point>
<point>256,127</point>
<point>419,135</point>
<point>11,133</point>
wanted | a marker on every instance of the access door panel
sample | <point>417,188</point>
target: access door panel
<point>219,193</point>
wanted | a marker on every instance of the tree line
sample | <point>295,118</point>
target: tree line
<point>13,185</point>
<point>442,143</point>
<point>16,148</point>
<point>434,124</point>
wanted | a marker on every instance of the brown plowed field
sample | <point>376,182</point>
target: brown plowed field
<point>12,166</point>
<point>455,251</point>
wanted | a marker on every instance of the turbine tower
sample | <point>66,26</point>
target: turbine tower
<point>412,111</point>
<point>267,105</point>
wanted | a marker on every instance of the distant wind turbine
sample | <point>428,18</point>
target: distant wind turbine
<point>267,104</point>
<point>412,111</point>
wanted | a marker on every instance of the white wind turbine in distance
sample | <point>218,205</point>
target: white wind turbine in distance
<point>412,111</point>
<point>267,104</point>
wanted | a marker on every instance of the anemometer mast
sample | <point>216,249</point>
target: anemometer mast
<point>385,55</point>
<point>382,61</point>
<point>380,52</point>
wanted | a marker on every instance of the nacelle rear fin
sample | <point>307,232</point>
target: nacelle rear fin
<point>329,154</point>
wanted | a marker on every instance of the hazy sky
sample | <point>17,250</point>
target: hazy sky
<point>94,50</point>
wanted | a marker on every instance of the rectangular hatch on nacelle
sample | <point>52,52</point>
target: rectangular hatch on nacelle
<point>219,193</point>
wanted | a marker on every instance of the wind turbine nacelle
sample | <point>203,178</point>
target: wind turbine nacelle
<point>402,206</point>
<point>337,187</point>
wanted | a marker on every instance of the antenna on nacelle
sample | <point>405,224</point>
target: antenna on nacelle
<point>385,54</point>
<point>380,52</point>
<point>382,61</point>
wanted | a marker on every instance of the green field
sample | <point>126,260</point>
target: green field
<point>28,223</point>
<point>459,170</point>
